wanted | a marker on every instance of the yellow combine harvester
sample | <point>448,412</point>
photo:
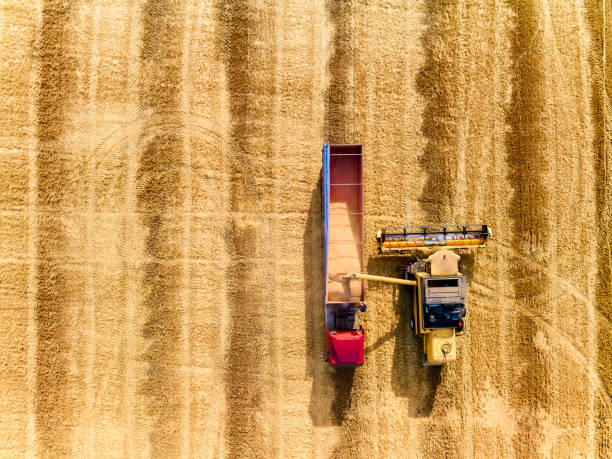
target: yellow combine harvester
<point>440,290</point>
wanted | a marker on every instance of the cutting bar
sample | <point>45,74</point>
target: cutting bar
<point>405,238</point>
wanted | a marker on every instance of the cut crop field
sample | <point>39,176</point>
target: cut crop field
<point>161,259</point>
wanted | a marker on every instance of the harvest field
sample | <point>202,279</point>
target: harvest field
<point>161,276</point>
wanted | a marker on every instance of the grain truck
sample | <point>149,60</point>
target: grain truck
<point>342,199</point>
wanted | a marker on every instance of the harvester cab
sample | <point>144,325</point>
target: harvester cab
<point>440,290</point>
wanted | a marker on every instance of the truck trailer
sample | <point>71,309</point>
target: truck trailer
<point>342,198</point>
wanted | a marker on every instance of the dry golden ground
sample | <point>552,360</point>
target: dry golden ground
<point>160,225</point>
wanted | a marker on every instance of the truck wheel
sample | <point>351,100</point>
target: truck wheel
<point>461,327</point>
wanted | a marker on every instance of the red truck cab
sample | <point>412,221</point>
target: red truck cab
<point>345,348</point>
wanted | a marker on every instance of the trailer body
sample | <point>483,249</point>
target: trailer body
<point>342,197</point>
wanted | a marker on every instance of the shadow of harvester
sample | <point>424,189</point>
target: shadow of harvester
<point>409,378</point>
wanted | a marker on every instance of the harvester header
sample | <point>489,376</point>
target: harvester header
<point>398,239</point>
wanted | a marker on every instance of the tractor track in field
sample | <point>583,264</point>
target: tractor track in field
<point>340,68</point>
<point>251,169</point>
<point>437,83</point>
<point>54,405</point>
<point>564,340</point>
<point>160,191</point>
<point>602,70</point>
<point>531,227</point>
<point>160,276</point>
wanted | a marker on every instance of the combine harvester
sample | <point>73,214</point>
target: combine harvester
<point>342,181</point>
<point>440,290</point>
